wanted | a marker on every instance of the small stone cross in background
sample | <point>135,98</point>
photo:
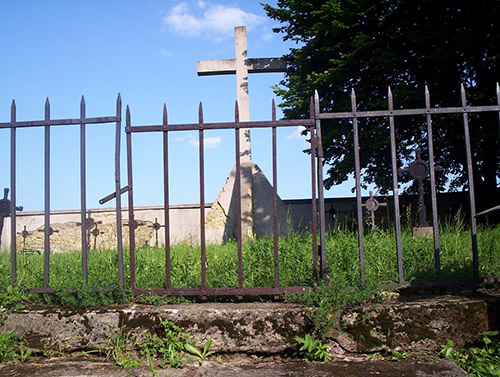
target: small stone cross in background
<point>371,205</point>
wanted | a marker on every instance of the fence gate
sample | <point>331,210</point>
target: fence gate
<point>318,250</point>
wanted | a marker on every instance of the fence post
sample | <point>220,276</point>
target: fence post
<point>322,225</point>
<point>13,219</point>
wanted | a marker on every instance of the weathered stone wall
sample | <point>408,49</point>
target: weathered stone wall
<point>416,326</point>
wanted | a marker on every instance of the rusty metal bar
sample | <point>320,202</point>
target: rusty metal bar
<point>470,175</point>
<point>359,204</point>
<point>321,204</point>
<point>275,198</point>
<point>221,291</point>
<point>119,229</point>
<point>107,198</point>
<point>399,112</point>
<point>166,200</point>
<point>131,220</point>
<point>314,214</point>
<point>202,200</point>
<point>432,173</point>
<point>498,101</point>
<point>46,259</point>
<point>83,193</point>
<point>13,220</point>
<point>60,122</point>
<point>238,194</point>
<point>224,125</point>
<point>395,187</point>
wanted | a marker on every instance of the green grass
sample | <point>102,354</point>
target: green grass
<point>295,264</point>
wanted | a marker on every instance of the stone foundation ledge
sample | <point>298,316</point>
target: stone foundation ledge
<point>417,325</point>
<point>264,328</point>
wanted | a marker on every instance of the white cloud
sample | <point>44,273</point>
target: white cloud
<point>268,36</point>
<point>178,139</point>
<point>297,134</point>
<point>166,53</point>
<point>213,19</point>
<point>208,142</point>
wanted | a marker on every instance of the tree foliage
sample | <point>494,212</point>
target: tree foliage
<point>369,45</point>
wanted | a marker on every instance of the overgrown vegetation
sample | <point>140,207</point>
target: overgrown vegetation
<point>312,349</point>
<point>295,267</point>
<point>171,348</point>
<point>483,361</point>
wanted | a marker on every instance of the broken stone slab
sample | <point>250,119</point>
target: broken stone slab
<point>243,327</point>
<point>418,326</point>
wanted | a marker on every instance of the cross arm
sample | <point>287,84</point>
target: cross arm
<point>228,66</point>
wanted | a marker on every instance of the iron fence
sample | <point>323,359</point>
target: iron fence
<point>313,125</point>
<point>428,112</point>
<point>200,127</point>
<point>9,209</point>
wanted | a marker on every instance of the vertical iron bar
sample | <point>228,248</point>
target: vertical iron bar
<point>314,214</point>
<point>202,198</point>
<point>238,194</point>
<point>275,198</point>
<point>83,194</point>
<point>322,225</point>
<point>472,200</point>
<point>166,200</point>
<point>131,220</point>
<point>46,259</point>
<point>498,102</point>
<point>395,188</point>
<point>435,223</point>
<point>359,204</point>
<point>119,233</point>
<point>13,219</point>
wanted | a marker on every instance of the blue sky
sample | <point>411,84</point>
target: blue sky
<point>147,51</point>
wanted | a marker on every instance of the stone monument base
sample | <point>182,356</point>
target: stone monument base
<point>424,231</point>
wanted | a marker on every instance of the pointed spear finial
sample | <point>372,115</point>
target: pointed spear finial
<point>273,110</point>
<point>47,109</point>
<point>82,106</point>
<point>427,98</point>
<point>463,95</point>
<point>236,112</point>
<point>353,100</point>
<point>316,102</point>
<point>13,111</point>
<point>389,98</point>
<point>165,114</point>
<point>200,113</point>
<point>127,116</point>
<point>498,93</point>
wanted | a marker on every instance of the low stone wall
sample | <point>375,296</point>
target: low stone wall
<point>416,326</point>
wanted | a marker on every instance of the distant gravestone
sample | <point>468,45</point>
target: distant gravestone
<point>419,170</point>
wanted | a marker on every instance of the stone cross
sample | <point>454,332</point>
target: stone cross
<point>156,227</point>
<point>371,205</point>
<point>419,170</point>
<point>241,66</point>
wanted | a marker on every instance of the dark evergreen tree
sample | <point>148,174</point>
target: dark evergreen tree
<point>369,45</point>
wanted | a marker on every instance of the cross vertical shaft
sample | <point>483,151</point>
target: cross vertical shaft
<point>240,36</point>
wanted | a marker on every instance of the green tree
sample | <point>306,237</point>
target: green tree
<point>369,45</point>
